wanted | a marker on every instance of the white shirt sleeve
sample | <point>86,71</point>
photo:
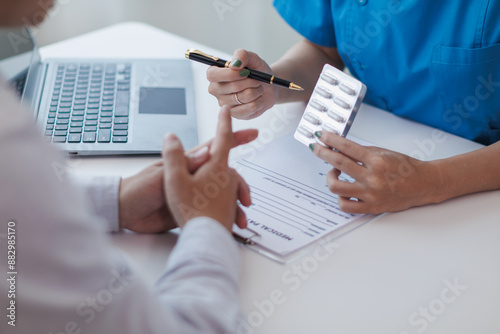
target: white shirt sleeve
<point>102,193</point>
<point>71,280</point>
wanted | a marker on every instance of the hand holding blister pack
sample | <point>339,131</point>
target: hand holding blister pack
<point>333,105</point>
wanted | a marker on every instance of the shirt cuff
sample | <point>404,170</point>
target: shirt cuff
<point>103,194</point>
<point>206,238</point>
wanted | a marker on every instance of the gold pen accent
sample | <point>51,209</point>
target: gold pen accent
<point>268,78</point>
<point>198,52</point>
<point>295,87</point>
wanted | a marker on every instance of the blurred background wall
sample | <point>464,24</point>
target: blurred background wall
<point>223,24</point>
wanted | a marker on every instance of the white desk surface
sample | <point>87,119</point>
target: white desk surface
<point>380,274</point>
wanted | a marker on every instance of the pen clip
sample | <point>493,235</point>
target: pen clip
<point>199,53</point>
<point>247,241</point>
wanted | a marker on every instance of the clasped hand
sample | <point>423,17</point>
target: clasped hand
<point>161,197</point>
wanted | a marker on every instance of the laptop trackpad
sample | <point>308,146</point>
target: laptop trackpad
<point>162,101</point>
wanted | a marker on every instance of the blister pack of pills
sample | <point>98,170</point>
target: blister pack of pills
<point>333,105</point>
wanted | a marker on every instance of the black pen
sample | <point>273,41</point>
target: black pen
<point>254,74</point>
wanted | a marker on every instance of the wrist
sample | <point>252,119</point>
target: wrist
<point>284,95</point>
<point>439,180</point>
<point>277,93</point>
<point>280,93</point>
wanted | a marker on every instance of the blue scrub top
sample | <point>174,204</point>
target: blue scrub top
<point>435,62</point>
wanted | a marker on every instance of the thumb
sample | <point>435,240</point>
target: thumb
<point>240,60</point>
<point>173,157</point>
<point>243,58</point>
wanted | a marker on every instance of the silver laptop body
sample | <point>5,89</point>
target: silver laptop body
<point>101,106</point>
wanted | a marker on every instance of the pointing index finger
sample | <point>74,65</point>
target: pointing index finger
<point>223,141</point>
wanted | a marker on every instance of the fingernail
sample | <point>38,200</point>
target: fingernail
<point>311,146</point>
<point>236,63</point>
<point>318,134</point>
<point>244,73</point>
<point>168,137</point>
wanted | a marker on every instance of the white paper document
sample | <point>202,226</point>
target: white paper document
<point>292,205</point>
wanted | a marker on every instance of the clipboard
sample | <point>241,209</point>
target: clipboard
<point>293,211</point>
<point>252,244</point>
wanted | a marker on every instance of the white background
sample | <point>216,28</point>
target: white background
<point>223,24</point>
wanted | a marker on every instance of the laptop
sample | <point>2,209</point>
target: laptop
<point>101,106</point>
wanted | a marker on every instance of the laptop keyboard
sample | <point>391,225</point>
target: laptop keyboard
<point>19,84</point>
<point>90,104</point>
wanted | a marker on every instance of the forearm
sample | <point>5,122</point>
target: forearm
<point>200,284</point>
<point>469,173</point>
<point>302,65</point>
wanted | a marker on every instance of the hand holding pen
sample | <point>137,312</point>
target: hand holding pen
<point>246,83</point>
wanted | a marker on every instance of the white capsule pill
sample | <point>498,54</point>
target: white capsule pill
<point>336,117</point>
<point>347,89</point>
<point>328,128</point>
<point>341,103</point>
<point>324,92</point>
<point>330,78</point>
<point>318,105</point>
<point>305,131</point>
<point>311,118</point>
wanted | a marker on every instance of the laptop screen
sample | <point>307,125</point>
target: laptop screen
<point>16,54</point>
